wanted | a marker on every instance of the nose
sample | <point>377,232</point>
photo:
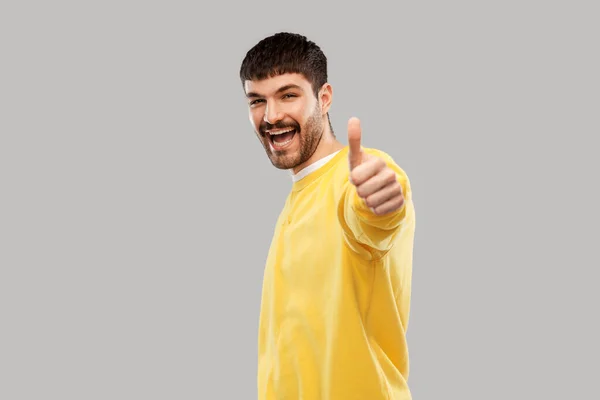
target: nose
<point>272,115</point>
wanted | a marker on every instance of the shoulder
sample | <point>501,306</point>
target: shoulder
<point>381,154</point>
<point>389,160</point>
<point>342,169</point>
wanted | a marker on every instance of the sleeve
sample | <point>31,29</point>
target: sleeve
<point>365,231</point>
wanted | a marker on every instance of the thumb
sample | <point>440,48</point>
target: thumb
<point>354,136</point>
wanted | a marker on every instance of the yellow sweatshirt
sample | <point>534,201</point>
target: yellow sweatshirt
<point>336,293</point>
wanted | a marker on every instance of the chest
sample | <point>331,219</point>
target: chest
<point>307,239</point>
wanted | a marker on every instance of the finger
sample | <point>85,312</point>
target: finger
<point>385,194</point>
<point>377,182</point>
<point>393,204</point>
<point>354,138</point>
<point>369,167</point>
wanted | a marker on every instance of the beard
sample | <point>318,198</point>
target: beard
<point>308,138</point>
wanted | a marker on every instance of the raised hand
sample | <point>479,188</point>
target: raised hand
<point>375,182</point>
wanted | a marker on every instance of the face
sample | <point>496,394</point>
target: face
<point>287,117</point>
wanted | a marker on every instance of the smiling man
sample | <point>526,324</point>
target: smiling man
<point>337,282</point>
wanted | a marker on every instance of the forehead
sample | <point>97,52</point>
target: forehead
<point>268,86</point>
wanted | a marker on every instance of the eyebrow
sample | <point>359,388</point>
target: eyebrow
<point>281,89</point>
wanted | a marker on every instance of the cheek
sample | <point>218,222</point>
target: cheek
<point>255,119</point>
<point>299,114</point>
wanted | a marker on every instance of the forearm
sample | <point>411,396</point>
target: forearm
<point>365,227</point>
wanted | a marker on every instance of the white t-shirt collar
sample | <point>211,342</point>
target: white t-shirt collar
<point>312,167</point>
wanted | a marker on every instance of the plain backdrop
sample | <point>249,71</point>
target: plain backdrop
<point>137,206</point>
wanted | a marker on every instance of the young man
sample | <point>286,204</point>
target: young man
<point>337,282</point>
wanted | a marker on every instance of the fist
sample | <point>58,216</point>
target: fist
<point>375,182</point>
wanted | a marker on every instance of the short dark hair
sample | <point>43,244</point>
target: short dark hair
<point>285,52</point>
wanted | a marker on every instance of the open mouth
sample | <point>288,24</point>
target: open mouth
<point>281,138</point>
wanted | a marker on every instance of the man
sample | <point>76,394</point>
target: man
<point>337,281</point>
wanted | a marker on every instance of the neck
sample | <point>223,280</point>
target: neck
<point>328,145</point>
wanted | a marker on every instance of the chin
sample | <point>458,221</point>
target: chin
<point>283,164</point>
<point>285,161</point>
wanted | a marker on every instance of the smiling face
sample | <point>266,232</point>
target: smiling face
<point>287,117</point>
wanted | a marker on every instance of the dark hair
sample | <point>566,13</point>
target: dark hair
<point>282,53</point>
<point>286,52</point>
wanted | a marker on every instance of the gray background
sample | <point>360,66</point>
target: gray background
<point>136,205</point>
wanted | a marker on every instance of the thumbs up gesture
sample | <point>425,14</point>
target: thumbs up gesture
<point>375,182</point>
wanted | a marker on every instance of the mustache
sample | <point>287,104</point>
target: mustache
<point>265,126</point>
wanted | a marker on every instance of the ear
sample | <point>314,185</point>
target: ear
<point>325,98</point>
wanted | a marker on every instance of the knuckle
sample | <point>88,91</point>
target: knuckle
<point>361,191</point>
<point>371,202</point>
<point>391,176</point>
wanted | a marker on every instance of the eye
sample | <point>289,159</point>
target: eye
<point>253,102</point>
<point>289,95</point>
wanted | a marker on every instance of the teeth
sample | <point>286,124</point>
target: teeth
<point>273,133</point>
<point>283,143</point>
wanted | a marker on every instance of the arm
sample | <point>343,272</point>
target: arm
<point>367,226</point>
<point>376,201</point>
